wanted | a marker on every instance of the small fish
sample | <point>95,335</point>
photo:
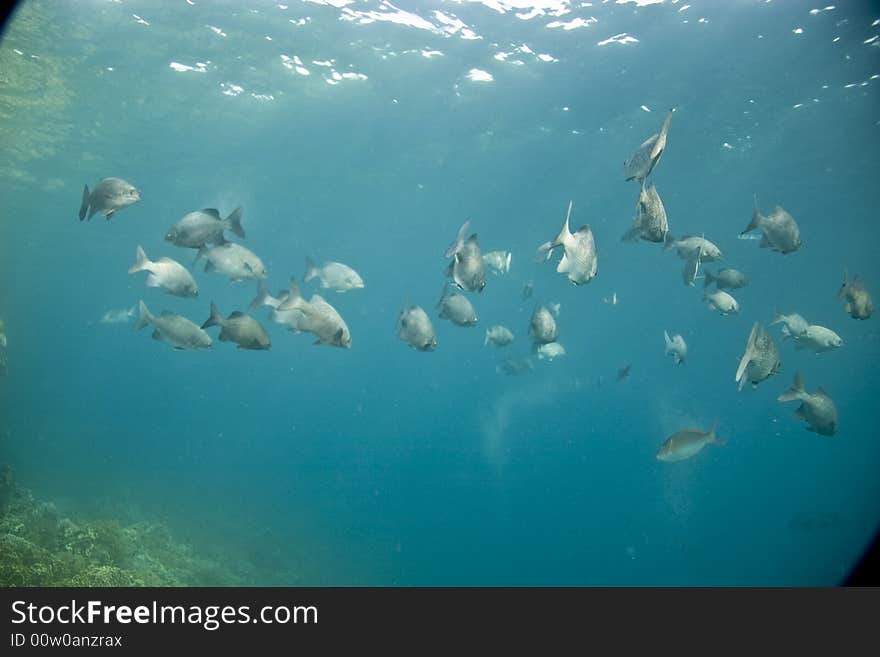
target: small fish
<point>550,350</point>
<point>316,316</point>
<point>781,231</point>
<point>726,279</point>
<point>793,325</point>
<point>542,327</point>
<point>579,262</point>
<point>497,262</point>
<point>245,331</point>
<point>527,289</point>
<point>687,443</point>
<point>233,260</point>
<point>689,271</point>
<point>858,303</point>
<point>108,196</point>
<point>203,227</point>
<point>514,366</point>
<point>690,247</point>
<point>117,316</point>
<point>612,300</point>
<point>456,308</point>
<point>818,338</point>
<point>333,276</point>
<point>643,161</point>
<point>675,346</point>
<point>174,330</point>
<point>817,409</point>
<point>166,273</point>
<point>466,268</point>
<point>623,372</point>
<point>722,302</point>
<point>414,327</point>
<point>760,360</point>
<point>498,335</point>
<point>650,223</point>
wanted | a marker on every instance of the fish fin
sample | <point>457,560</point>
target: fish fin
<point>795,392</point>
<point>455,247</point>
<point>563,265</point>
<point>565,232</point>
<point>209,267</point>
<point>156,335</point>
<point>820,391</point>
<point>144,318</point>
<point>444,292</point>
<point>214,212</point>
<point>764,243</point>
<point>756,218</point>
<point>507,262</point>
<point>632,235</point>
<point>714,439</point>
<point>311,270</point>
<point>544,252</point>
<point>153,280</point>
<point>800,412</point>
<point>110,213</point>
<point>234,220</point>
<point>216,319</point>
<point>85,203</point>
<point>708,278</point>
<point>294,297</point>
<point>668,241</point>
<point>486,340</point>
<point>262,297</point>
<point>236,313</point>
<point>747,356</point>
<point>668,342</point>
<point>141,262</point>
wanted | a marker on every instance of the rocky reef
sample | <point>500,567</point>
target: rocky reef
<point>41,547</point>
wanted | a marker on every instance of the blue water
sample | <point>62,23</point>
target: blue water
<point>384,465</point>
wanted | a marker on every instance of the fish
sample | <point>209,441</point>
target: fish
<point>675,346</point>
<point>687,443</point>
<point>202,227</point>
<point>612,300</point>
<point>245,331</point>
<point>263,298</point>
<point>689,271</point>
<point>623,372</point>
<point>781,232</point>
<point>497,262</point>
<point>527,289</point>
<point>456,308</point>
<point>550,350</point>
<point>857,300</point>
<point>166,273</point>
<point>118,316</point>
<point>760,360</point>
<point>109,196</point>
<point>316,316</point>
<point>817,409</point>
<point>580,261</point>
<point>726,279</point>
<point>793,325</point>
<point>542,327</point>
<point>498,335</point>
<point>722,302</point>
<point>414,327</point>
<point>650,223</point>
<point>466,268</point>
<point>514,366</point>
<point>642,163</point>
<point>233,260</point>
<point>690,247</point>
<point>818,338</point>
<point>176,331</point>
<point>333,276</point>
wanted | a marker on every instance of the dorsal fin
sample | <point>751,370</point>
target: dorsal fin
<point>236,313</point>
<point>212,211</point>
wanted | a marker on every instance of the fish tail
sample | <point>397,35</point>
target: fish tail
<point>145,316</point>
<point>311,270</point>
<point>234,221</point>
<point>668,241</point>
<point>747,356</point>
<point>262,298</point>
<point>796,392</point>
<point>141,262</point>
<point>631,235</point>
<point>668,342</point>
<point>294,297</point>
<point>455,247</point>
<point>85,203</point>
<point>713,437</point>
<point>215,319</point>
<point>444,292</point>
<point>486,341</point>
<point>566,230</point>
<point>544,252</point>
<point>756,219</point>
<point>507,262</point>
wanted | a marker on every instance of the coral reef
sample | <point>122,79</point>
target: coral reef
<point>40,547</point>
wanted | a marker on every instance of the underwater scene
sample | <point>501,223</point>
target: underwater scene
<point>451,292</point>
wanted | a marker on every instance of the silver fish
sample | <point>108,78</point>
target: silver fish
<point>456,308</point>
<point>542,327</point>
<point>233,260</point>
<point>550,350</point>
<point>687,443</point>
<point>858,302</point>
<point>108,196</point>
<point>498,262</point>
<point>316,316</point>
<point>466,269</point>
<point>650,223</point>
<point>245,331</point>
<point>203,227</point>
<point>174,330</point>
<point>333,276</point>
<point>817,409</point>
<point>675,346</point>
<point>689,271</point>
<point>414,327</point>
<point>760,360</point>
<point>726,279</point>
<point>500,336</point>
<point>118,316</point>
<point>690,247</point>
<point>818,338</point>
<point>166,273</point>
<point>781,231</point>
<point>643,161</point>
<point>514,366</point>
<point>793,325</point>
<point>722,302</point>
<point>579,262</point>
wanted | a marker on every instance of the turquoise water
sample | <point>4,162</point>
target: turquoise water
<point>366,133</point>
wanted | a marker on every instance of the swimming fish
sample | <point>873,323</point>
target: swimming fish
<point>118,316</point>
<point>550,350</point>
<point>781,231</point>
<point>542,327</point>
<point>245,331</point>
<point>817,409</point>
<point>333,276</point>
<point>579,261</point>
<point>316,316</point>
<point>722,302</point>
<point>675,346</point>
<point>166,273</point>
<point>858,302</point>
<point>650,223</point>
<point>498,262</point>
<point>498,335</point>
<point>174,330</point>
<point>456,308</point>
<point>793,325</point>
<point>233,260</point>
<point>466,268</point>
<point>690,247</point>
<point>729,279</point>
<point>687,443</point>
<point>202,227</point>
<point>760,360</point>
<point>414,327</point>
<point>108,196</point>
<point>642,163</point>
<point>818,338</point>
